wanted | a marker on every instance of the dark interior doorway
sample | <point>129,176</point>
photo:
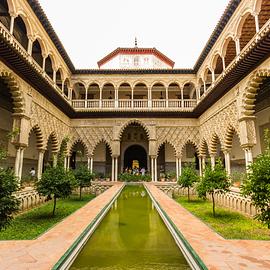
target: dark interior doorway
<point>135,152</point>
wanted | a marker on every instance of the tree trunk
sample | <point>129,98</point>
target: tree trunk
<point>80,192</point>
<point>213,201</point>
<point>188,193</point>
<point>54,204</point>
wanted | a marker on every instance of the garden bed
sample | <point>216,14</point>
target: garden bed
<point>229,224</point>
<point>34,222</point>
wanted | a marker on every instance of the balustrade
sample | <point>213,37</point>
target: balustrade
<point>134,104</point>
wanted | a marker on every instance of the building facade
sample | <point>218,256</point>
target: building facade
<point>156,114</point>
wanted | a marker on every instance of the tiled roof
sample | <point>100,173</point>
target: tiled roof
<point>136,50</point>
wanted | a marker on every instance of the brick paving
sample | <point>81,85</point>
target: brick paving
<point>216,252</point>
<point>44,252</point>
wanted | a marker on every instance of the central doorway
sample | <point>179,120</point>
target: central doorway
<point>133,154</point>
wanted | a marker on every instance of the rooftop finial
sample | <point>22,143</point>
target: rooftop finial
<point>136,42</point>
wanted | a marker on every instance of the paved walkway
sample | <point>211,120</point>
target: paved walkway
<point>216,252</point>
<point>45,251</point>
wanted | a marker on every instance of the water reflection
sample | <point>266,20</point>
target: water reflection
<point>131,236</point>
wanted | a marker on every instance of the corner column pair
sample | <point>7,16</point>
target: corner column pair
<point>114,168</point>
<point>153,168</point>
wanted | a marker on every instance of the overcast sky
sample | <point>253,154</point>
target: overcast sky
<point>90,29</point>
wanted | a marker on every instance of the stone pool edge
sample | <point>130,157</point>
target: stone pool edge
<point>70,255</point>
<point>189,253</point>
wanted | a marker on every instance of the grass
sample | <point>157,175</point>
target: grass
<point>229,224</point>
<point>34,222</point>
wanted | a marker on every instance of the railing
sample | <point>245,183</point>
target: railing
<point>255,39</point>
<point>144,104</point>
<point>232,200</point>
<point>140,103</point>
<point>22,51</point>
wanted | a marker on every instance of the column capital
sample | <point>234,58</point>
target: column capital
<point>19,145</point>
<point>247,147</point>
<point>226,151</point>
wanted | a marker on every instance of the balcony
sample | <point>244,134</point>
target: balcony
<point>186,105</point>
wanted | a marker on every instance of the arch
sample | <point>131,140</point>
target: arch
<point>108,91</point>
<point>229,50</point>
<point>59,77</point>
<point>139,82</point>
<point>66,86</point>
<point>130,122</point>
<point>89,83</point>
<point>203,148</point>
<point>189,90</point>
<point>93,91</point>
<point>201,87</point>
<point>102,140</point>
<point>213,144</point>
<point>174,92</point>
<point>192,143</point>
<point>262,7</point>
<point>135,152</point>
<point>20,31</point>
<point>217,64</point>
<point>251,90</point>
<point>39,136</point>
<point>16,93</point>
<point>107,84</point>
<point>158,83</point>
<point>64,146</point>
<point>79,140</point>
<point>78,91</point>
<point>5,18</point>
<point>124,93</point>
<point>140,91</point>
<point>207,72</point>
<point>54,140</point>
<point>246,29</point>
<point>124,83</point>
<point>49,65</point>
<point>37,52</point>
<point>169,143</point>
<point>230,131</point>
<point>27,23</point>
<point>42,44</point>
<point>81,82</point>
<point>177,83</point>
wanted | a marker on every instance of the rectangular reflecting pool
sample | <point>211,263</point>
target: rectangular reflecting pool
<point>131,236</point>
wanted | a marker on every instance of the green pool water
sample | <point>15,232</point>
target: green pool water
<point>131,236</point>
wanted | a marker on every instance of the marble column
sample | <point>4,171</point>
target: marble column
<point>113,169</point>
<point>227,162</point>
<point>40,163</point>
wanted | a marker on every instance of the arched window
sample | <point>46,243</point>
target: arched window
<point>59,79</point>
<point>217,65</point>
<point>4,14</point>
<point>66,87</point>
<point>248,30</point>
<point>264,14</point>
<point>229,51</point>
<point>37,52</point>
<point>48,67</point>
<point>20,32</point>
